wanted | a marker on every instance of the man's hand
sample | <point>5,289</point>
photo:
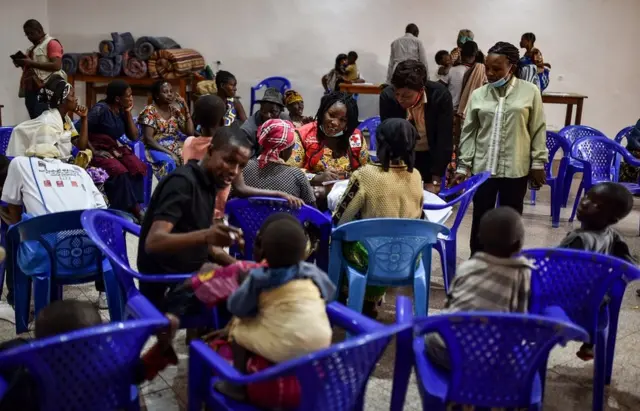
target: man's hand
<point>459,179</point>
<point>222,235</point>
<point>22,62</point>
<point>433,188</point>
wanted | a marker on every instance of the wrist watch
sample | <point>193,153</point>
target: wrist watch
<point>436,183</point>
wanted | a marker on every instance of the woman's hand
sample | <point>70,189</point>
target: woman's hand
<point>433,188</point>
<point>81,111</point>
<point>537,178</point>
<point>103,154</point>
<point>294,202</point>
<point>128,107</point>
<point>323,177</point>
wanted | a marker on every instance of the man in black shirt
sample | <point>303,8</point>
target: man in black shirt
<point>177,232</point>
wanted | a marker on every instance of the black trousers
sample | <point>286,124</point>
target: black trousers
<point>423,165</point>
<point>510,191</point>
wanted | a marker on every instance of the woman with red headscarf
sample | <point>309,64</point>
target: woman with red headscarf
<point>276,138</point>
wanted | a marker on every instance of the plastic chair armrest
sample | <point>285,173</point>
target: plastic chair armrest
<point>141,308</point>
<point>349,320</point>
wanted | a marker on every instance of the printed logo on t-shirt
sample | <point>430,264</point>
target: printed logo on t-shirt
<point>47,183</point>
<point>60,183</point>
<point>74,184</point>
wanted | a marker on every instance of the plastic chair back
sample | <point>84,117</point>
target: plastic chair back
<point>494,356</point>
<point>622,134</point>
<point>5,136</point>
<point>89,369</point>
<point>559,273</point>
<point>393,245</point>
<point>280,83</point>
<point>69,249</point>
<point>371,124</point>
<point>108,231</point>
<point>597,154</point>
<point>574,133</point>
<point>556,142</point>
<point>249,214</point>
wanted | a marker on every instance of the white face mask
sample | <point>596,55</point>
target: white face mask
<point>338,134</point>
<point>504,80</point>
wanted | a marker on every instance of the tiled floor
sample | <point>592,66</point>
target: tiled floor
<point>568,380</point>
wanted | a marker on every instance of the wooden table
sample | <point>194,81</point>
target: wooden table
<point>360,88</point>
<point>569,99</point>
<point>91,81</point>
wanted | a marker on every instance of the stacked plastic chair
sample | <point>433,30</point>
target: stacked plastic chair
<point>249,214</point>
<point>108,231</point>
<point>597,156</point>
<point>332,379</point>
<point>556,142</point>
<point>447,244</point>
<point>73,259</point>
<point>572,134</point>
<point>5,135</point>
<point>280,83</point>
<point>399,254</point>
<point>495,358</point>
<point>577,282</point>
<point>89,369</point>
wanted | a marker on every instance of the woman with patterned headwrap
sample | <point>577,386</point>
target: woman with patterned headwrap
<point>54,123</point>
<point>295,106</point>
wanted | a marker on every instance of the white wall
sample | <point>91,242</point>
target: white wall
<point>590,43</point>
<point>13,14</point>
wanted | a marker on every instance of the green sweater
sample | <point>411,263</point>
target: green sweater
<point>518,143</point>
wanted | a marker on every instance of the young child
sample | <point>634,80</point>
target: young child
<point>352,72</point>
<point>60,317</point>
<point>603,206</point>
<point>443,60</point>
<point>491,280</point>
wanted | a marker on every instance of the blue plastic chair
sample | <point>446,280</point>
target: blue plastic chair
<point>572,134</point>
<point>108,231</point>
<point>371,124</point>
<point>577,282</point>
<point>399,252</point>
<point>495,357</point>
<point>73,259</point>
<point>89,369</point>
<point>597,156</point>
<point>5,135</point>
<point>447,246</point>
<point>280,83</point>
<point>554,143</point>
<point>249,214</point>
<point>622,134</point>
<point>332,379</point>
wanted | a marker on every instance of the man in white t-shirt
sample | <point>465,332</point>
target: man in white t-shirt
<point>42,186</point>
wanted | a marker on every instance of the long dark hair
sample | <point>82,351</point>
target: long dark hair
<point>339,58</point>
<point>350,103</point>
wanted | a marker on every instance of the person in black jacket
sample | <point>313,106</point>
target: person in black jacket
<point>427,105</point>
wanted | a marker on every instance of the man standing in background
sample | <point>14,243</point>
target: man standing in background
<point>42,60</point>
<point>407,47</point>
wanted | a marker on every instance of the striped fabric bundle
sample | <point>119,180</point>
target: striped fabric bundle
<point>133,67</point>
<point>70,62</point>
<point>175,63</point>
<point>89,64</point>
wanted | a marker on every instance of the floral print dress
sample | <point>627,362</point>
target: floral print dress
<point>168,133</point>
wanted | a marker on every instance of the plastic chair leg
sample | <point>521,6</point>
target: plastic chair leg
<point>44,292</point>
<point>533,197</point>
<point>441,248</point>
<point>3,244</point>
<point>451,256</point>
<point>566,185</point>
<point>599,370</point>
<point>22,298</point>
<point>576,202</point>
<point>115,298</point>
<point>403,364</point>
<point>617,293</point>
<point>357,289</point>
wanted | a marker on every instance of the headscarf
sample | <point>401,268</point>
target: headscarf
<point>55,91</point>
<point>274,136</point>
<point>291,96</point>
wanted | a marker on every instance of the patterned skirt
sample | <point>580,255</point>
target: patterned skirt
<point>629,173</point>
<point>358,257</point>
